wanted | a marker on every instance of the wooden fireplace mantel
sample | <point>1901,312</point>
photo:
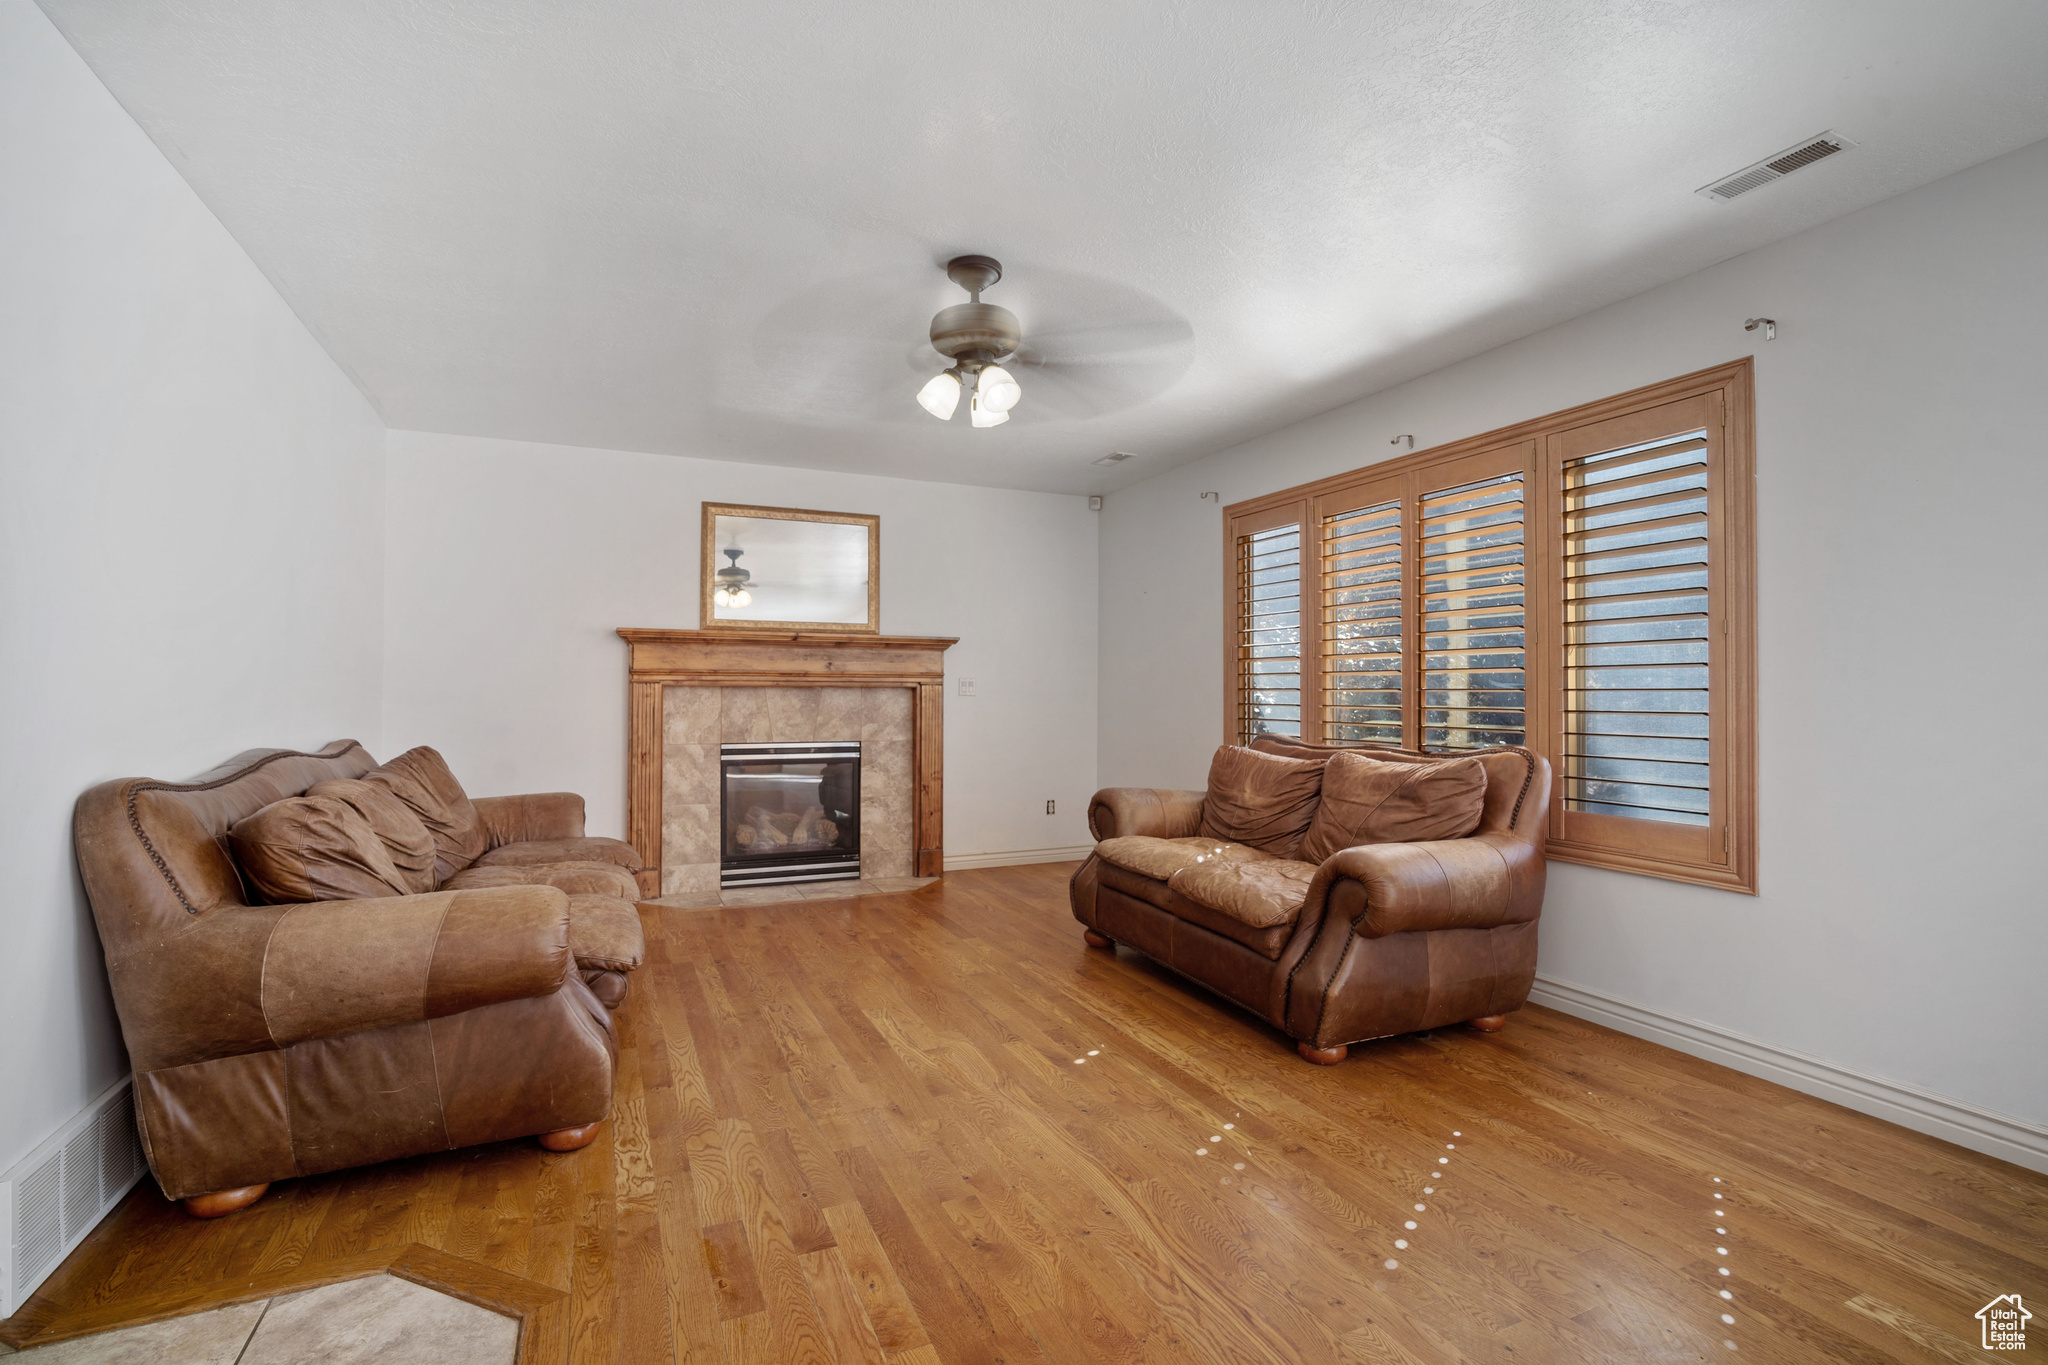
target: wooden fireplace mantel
<point>700,658</point>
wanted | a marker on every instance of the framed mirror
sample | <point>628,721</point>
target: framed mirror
<point>784,568</point>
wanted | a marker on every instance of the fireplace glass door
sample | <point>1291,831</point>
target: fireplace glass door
<point>789,813</point>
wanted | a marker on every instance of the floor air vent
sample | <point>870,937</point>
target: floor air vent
<point>51,1199</point>
<point>1776,167</point>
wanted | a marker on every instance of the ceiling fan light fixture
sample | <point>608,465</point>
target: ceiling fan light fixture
<point>941,395</point>
<point>984,416</point>
<point>996,390</point>
<point>730,586</point>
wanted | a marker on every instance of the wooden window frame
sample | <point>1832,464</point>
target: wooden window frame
<point>1724,853</point>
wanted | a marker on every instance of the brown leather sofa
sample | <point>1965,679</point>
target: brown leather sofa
<point>272,1040</point>
<point>1386,938</point>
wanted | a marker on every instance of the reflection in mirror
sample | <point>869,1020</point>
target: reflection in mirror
<point>774,566</point>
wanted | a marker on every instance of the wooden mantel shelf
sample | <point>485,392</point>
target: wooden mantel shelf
<point>768,658</point>
<point>655,635</point>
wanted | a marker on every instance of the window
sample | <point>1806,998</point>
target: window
<point>1364,602</point>
<point>1474,633</point>
<point>1581,584</point>
<point>1268,576</point>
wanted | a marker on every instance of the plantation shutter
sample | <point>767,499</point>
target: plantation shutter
<point>1364,598</point>
<point>1270,653</point>
<point>1473,517</point>
<point>1640,627</point>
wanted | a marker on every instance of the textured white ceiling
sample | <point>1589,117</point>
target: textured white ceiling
<point>715,228</point>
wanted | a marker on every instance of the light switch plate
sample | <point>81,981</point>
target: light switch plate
<point>967,687</point>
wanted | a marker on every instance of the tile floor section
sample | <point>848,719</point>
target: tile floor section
<point>379,1318</point>
<point>794,891</point>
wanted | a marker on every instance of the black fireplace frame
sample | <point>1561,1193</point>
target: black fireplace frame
<point>777,870</point>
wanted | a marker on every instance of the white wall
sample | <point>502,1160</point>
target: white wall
<point>1903,466</point>
<point>511,564</point>
<point>189,555</point>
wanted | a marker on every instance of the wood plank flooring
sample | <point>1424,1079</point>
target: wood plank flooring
<point>933,1127</point>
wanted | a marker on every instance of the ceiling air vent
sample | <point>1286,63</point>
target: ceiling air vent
<point>1115,457</point>
<point>1776,167</point>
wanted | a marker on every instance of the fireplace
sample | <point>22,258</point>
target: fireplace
<point>788,812</point>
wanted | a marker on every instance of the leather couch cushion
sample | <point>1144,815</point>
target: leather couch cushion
<point>1157,895</point>
<point>592,850</point>
<point>420,778</point>
<point>1161,858</point>
<point>1260,799</point>
<point>577,879</point>
<point>1369,801</point>
<point>604,932</point>
<point>313,848</point>
<point>404,835</point>
<point>1263,894</point>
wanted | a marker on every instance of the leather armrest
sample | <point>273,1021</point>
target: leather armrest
<point>254,978</point>
<point>1475,883</point>
<point>336,967</point>
<point>1119,811</point>
<point>535,816</point>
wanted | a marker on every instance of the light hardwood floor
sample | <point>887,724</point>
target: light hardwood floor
<point>933,1127</point>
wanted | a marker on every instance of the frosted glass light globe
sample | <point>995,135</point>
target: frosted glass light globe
<point>997,390</point>
<point>940,396</point>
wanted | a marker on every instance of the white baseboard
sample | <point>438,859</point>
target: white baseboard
<point>1981,1130</point>
<point>1072,853</point>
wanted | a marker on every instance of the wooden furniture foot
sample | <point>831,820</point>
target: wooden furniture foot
<point>1095,940</point>
<point>1489,1023</point>
<point>569,1139</point>
<point>1323,1056</point>
<point>221,1203</point>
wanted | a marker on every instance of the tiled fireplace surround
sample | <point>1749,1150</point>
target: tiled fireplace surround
<point>696,720</point>
<point>689,691</point>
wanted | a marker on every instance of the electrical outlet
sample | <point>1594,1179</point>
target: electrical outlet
<point>1048,808</point>
<point>967,687</point>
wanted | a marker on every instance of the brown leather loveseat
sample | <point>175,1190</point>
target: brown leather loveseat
<point>1345,942</point>
<point>321,963</point>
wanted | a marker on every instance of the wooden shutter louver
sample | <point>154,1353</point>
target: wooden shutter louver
<point>1363,602</point>
<point>1637,631</point>
<point>1269,633</point>
<point>1474,626</point>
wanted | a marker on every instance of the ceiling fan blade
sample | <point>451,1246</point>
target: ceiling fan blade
<point>1079,391</point>
<point>1108,340</point>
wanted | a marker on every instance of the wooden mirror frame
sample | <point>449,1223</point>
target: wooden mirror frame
<point>707,576</point>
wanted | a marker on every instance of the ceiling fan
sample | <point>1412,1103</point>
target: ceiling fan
<point>974,336</point>
<point>840,349</point>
